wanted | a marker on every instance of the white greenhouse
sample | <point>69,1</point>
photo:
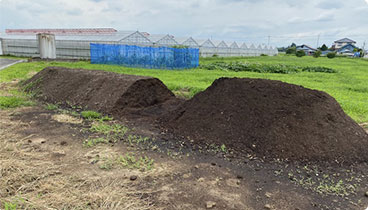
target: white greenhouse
<point>78,45</point>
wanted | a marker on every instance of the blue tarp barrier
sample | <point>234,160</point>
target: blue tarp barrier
<point>145,57</point>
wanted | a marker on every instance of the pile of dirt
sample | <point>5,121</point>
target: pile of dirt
<point>101,91</point>
<point>272,119</point>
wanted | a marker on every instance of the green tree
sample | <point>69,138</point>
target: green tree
<point>323,48</point>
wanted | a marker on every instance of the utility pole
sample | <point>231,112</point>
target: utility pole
<point>363,48</point>
<point>318,41</point>
<point>268,43</point>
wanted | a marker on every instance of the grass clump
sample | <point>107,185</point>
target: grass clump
<point>13,102</point>
<point>134,139</point>
<point>51,107</point>
<point>113,132</point>
<point>10,206</point>
<point>132,162</point>
<point>91,115</point>
<point>94,142</point>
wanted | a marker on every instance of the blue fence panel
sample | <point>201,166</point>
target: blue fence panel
<point>145,57</point>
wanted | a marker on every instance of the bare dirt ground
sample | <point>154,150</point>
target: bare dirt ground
<point>45,165</point>
<point>54,159</point>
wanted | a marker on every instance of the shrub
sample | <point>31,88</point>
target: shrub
<point>317,54</point>
<point>331,55</point>
<point>291,50</point>
<point>300,53</point>
<point>263,68</point>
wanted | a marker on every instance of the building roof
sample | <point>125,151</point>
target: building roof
<point>115,37</point>
<point>345,48</point>
<point>306,46</point>
<point>345,40</point>
<point>73,31</point>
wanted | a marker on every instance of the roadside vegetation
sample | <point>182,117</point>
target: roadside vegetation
<point>347,86</point>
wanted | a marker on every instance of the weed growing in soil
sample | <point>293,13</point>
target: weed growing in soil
<point>113,132</point>
<point>107,164</point>
<point>90,115</point>
<point>310,177</point>
<point>93,142</point>
<point>10,206</point>
<point>130,161</point>
<point>135,139</point>
<point>51,107</point>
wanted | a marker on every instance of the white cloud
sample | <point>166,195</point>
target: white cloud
<point>243,20</point>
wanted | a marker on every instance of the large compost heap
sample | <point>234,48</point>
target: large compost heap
<point>272,119</point>
<point>101,91</point>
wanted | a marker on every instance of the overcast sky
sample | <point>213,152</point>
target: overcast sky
<point>251,21</point>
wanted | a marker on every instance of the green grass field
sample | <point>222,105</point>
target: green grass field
<point>349,86</point>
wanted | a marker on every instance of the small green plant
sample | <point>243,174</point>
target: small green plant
<point>107,164</point>
<point>10,206</point>
<point>91,115</point>
<point>94,142</point>
<point>51,107</point>
<point>300,53</point>
<point>223,148</point>
<point>113,132</point>
<point>331,55</point>
<point>130,161</point>
<point>134,139</point>
<point>106,118</point>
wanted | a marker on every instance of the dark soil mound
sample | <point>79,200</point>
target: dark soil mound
<point>272,119</point>
<point>102,91</point>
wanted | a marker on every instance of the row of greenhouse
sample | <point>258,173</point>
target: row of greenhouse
<point>78,46</point>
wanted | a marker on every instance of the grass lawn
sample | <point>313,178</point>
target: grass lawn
<point>349,86</point>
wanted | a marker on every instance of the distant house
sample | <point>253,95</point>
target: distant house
<point>307,49</point>
<point>342,42</point>
<point>346,49</point>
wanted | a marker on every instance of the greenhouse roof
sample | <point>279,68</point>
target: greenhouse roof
<point>234,45</point>
<point>244,46</point>
<point>219,43</point>
<point>111,37</point>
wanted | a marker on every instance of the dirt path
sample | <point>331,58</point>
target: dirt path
<point>45,164</point>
